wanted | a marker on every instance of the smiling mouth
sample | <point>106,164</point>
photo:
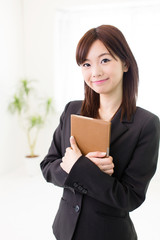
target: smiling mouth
<point>100,81</point>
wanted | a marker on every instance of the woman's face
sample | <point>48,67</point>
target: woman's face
<point>102,72</point>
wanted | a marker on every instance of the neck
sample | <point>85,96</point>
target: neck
<point>109,106</point>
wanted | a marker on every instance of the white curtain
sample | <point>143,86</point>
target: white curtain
<point>139,22</point>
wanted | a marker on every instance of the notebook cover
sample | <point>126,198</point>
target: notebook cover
<point>91,134</point>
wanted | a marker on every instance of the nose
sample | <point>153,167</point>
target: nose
<point>96,71</point>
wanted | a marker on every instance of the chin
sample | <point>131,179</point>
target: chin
<point>100,91</point>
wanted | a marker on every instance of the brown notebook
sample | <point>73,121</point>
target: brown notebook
<point>91,134</point>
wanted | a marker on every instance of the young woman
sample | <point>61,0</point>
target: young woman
<point>100,192</point>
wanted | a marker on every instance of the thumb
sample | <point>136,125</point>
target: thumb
<point>73,143</point>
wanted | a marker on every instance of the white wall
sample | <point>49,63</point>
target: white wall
<point>39,16</point>
<point>11,69</point>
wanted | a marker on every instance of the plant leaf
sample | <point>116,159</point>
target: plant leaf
<point>16,104</point>
<point>35,121</point>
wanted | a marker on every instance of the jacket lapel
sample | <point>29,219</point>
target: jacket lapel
<point>118,128</point>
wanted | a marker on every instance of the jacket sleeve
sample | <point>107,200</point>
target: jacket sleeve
<point>128,193</point>
<point>50,166</point>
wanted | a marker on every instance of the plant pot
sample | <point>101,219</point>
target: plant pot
<point>32,165</point>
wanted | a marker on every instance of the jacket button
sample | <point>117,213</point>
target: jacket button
<point>77,208</point>
<point>84,191</point>
<point>80,188</point>
<point>75,185</point>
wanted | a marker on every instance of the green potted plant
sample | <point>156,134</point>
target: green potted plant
<point>32,111</point>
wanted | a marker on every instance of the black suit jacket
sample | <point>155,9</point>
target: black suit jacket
<point>95,205</point>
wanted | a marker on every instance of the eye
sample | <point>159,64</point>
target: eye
<point>105,60</point>
<point>86,65</point>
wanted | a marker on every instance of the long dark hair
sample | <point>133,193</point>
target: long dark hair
<point>115,42</point>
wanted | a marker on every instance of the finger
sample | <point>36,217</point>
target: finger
<point>68,149</point>
<point>110,172</point>
<point>96,154</point>
<point>106,167</point>
<point>107,161</point>
<point>73,143</point>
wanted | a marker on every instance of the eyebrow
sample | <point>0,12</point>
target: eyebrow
<point>101,55</point>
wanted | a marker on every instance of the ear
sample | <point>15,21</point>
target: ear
<point>125,67</point>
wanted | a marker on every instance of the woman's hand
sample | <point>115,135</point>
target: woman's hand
<point>71,156</point>
<point>105,164</point>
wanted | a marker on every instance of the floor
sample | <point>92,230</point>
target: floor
<point>28,205</point>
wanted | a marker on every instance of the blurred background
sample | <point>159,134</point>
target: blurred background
<point>38,39</point>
